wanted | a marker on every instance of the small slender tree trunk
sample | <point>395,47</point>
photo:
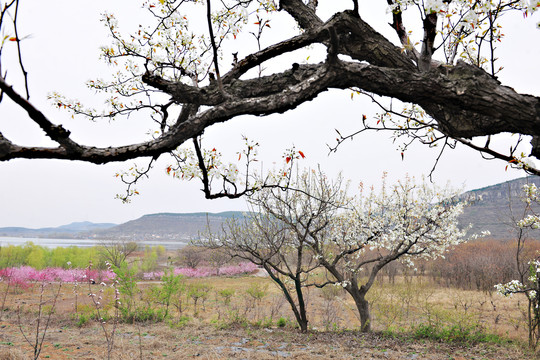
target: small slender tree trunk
<point>363,310</point>
<point>302,321</point>
<point>300,311</point>
<point>362,305</point>
<point>358,294</point>
<point>301,304</point>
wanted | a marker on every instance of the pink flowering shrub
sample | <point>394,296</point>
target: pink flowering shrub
<point>242,268</point>
<point>195,273</point>
<point>14,278</point>
<point>25,275</point>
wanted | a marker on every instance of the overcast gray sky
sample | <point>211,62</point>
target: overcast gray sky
<point>61,54</point>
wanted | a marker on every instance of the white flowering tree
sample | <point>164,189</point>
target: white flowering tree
<point>193,64</point>
<point>263,240</point>
<point>403,222</point>
<point>530,287</point>
<point>314,218</point>
<point>528,283</point>
<point>277,233</point>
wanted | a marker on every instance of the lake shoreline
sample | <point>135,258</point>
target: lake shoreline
<point>55,242</point>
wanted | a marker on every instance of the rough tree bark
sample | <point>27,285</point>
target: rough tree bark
<point>464,100</point>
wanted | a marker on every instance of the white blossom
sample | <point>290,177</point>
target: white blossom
<point>529,162</point>
<point>343,284</point>
<point>433,6</point>
<point>532,221</point>
<point>509,288</point>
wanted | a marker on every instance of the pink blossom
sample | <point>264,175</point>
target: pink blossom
<point>241,268</point>
<point>24,275</point>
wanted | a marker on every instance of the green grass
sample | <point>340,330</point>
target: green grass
<point>455,334</point>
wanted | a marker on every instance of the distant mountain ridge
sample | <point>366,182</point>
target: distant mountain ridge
<point>489,210</point>
<point>224,214</point>
<point>69,229</point>
<point>169,226</point>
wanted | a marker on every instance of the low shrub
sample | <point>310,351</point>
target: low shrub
<point>142,314</point>
<point>180,322</point>
<point>454,333</point>
<point>282,322</point>
<point>81,319</point>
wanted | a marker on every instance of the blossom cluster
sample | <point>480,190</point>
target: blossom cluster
<point>526,162</point>
<point>464,25</point>
<point>215,167</point>
<point>25,275</point>
<point>532,194</point>
<point>482,234</point>
<point>510,288</point>
<point>532,221</point>
<point>435,6</point>
<point>515,286</point>
<point>241,268</point>
<point>412,218</point>
<point>343,284</point>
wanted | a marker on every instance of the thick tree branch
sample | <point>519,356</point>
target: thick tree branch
<point>297,42</point>
<point>401,31</point>
<point>302,13</point>
<point>464,100</point>
<point>361,42</point>
<point>428,43</point>
<point>368,46</point>
<point>55,132</point>
<point>453,96</point>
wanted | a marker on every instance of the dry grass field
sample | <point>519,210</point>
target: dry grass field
<point>412,320</point>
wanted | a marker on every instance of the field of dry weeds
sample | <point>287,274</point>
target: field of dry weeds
<point>246,318</point>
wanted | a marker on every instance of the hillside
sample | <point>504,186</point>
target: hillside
<point>170,226</point>
<point>64,231</point>
<point>167,226</point>
<point>492,207</point>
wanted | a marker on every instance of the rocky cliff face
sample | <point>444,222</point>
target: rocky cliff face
<point>500,193</point>
<point>494,207</point>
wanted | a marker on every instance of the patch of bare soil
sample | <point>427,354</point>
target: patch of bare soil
<point>159,341</point>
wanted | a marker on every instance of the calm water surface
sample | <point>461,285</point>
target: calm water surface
<point>54,243</point>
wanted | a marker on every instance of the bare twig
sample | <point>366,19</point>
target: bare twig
<point>214,47</point>
<point>40,333</point>
<point>19,52</point>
